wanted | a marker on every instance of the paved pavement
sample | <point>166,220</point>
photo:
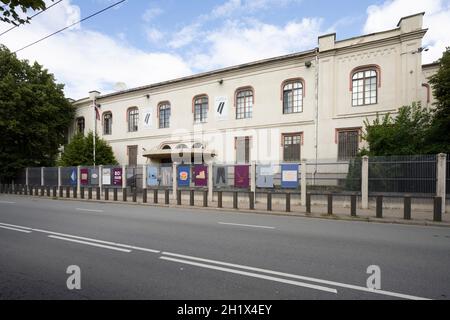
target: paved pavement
<point>137,252</point>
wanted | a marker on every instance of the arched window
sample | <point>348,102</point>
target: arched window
<point>164,115</point>
<point>244,103</point>
<point>80,125</point>
<point>200,109</point>
<point>167,147</point>
<point>293,96</point>
<point>107,123</point>
<point>364,85</point>
<point>182,146</point>
<point>198,146</point>
<point>133,119</point>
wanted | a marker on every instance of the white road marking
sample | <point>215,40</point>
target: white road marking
<point>253,275</point>
<point>14,229</point>
<point>86,239</point>
<point>7,202</point>
<point>89,210</point>
<point>331,283</point>
<point>90,244</point>
<point>245,225</point>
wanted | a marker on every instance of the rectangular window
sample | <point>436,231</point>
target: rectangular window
<point>132,155</point>
<point>348,144</point>
<point>244,104</point>
<point>164,116</point>
<point>133,120</point>
<point>292,147</point>
<point>201,110</point>
<point>243,150</point>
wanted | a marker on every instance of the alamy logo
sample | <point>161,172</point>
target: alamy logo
<point>374,281</point>
<point>221,107</point>
<point>147,118</point>
<point>74,280</point>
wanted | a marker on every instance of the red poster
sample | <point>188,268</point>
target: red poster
<point>84,177</point>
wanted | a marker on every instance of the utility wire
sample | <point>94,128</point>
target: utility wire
<point>12,28</point>
<point>73,24</point>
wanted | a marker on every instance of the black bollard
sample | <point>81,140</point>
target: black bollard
<point>407,208</point>
<point>379,207</point>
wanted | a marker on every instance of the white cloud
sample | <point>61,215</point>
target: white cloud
<point>248,6</point>
<point>86,60</point>
<point>151,14</point>
<point>154,35</point>
<point>239,42</point>
<point>437,17</point>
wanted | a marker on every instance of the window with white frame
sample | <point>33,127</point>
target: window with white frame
<point>244,104</point>
<point>293,97</point>
<point>364,87</point>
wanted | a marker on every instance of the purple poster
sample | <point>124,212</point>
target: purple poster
<point>201,175</point>
<point>117,177</point>
<point>84,177</point>
<point>241,176</point>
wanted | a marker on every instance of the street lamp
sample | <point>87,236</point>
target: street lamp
<point>93,95</point>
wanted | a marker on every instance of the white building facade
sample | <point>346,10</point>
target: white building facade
<point>308,105</point>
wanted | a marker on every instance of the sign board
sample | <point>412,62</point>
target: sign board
<point>201,175</point>
<point>73,177</point>
<point>152,176</point>
<point>242,177</point>
<point>84,177</point>
<point>221,108</point>
<point>289,176</point>
<point>183,176</point>
<point>94,176</point>
<point>106,176</point>
<point>117,177</point>
<point>220,176</point>
<point>264,176</point>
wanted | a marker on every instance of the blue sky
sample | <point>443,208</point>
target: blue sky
<point>142,42</point>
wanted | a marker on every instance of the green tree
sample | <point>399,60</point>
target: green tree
<point>34,115</point>
<point>79,152</point>
<point>405,134</point>
<point>10,10</point>
<point>438,139</point>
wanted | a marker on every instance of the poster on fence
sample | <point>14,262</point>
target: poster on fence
<point>166,176</point>
<point>106,176</point>
<point>152,176</point>
<point>73,177</point>
<point>241,177</point>
<point>184,176</point>
<point>94,175</point>
<point>220,176</point>
<point>117,177</point>
<point>201,175</point>
<point>264,176</point>
<point>289,176</point>
<point>84,177</point>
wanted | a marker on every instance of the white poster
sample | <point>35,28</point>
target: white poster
<point>147,118</point>
<point>106,176</point>
<point>290,176</point>
<point>221,108</point>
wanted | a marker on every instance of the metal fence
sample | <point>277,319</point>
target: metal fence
<point>403,174</point>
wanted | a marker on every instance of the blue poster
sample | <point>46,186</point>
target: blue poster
<point>73,177</point>
<point>289,176</point>
<point>152,176</point>
<point>184,176</point>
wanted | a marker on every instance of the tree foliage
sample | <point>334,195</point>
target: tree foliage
<point>439,133</point>
<point>14,11</point>
<point>34,115</point>
<point>79,152</point>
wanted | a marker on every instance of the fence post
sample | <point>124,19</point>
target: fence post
<point>42,177</point>
<point>353,205</point>
<point>407,208</point>
<point>134,194</point>
<point>90,193</point>
<point>269,201</point>
<point>330,204</point>
<point>144,177</point>
<point>205,199</point>
<point>191,198</point>
<point>308,203</point>
<point>219,199</point>
<point>79,179</point>
<point>124,177</point>
<point>48,191</point>
<point>441,178</point>
<point>55,191</point>
<point>61,191</point>
<point>437,216</point>
<point>59,178</point>
<point>124,195</point>
<point>27,182</point>
<point>365,183</point>
<point>106,194</point>
<point>175,183</point>
<point>67,192</point>
<point>210,182</point>
<point>155,196</point>
<point>82,193</point>
<point>100,178</point>
<point>288,202</point>
<point>179,197</point>
<point>253,178</point>
<point>115,194</point>
<point>251,199</point>
<point>167,196</point>
<point>380,207</point>
<point>144,195</point>
<point>75,192</point>
<point>303,182</point>
<point>235,200</point>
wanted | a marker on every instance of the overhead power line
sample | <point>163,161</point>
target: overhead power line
<point>70,26</point>
<point>35,15</point>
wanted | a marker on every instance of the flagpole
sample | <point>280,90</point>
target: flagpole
<point>93,95</point>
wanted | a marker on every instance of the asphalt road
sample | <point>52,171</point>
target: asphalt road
<point>137,252</point>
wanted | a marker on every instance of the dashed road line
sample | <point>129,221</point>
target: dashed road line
<point>90,244</point>
<point>90,210</point>
<point>245,225</point>
<point>15,229</point>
